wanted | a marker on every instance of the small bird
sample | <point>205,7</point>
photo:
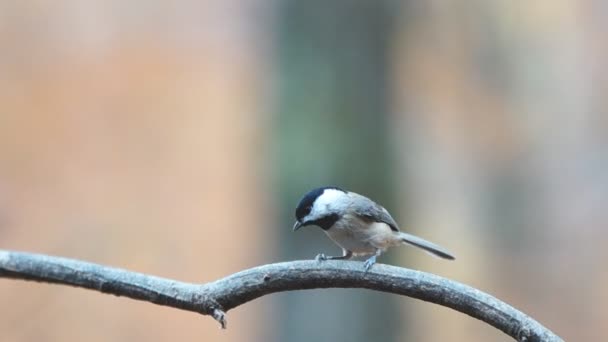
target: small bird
<point>357,224</point>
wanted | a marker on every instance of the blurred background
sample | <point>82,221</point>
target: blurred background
<point>175,138</point>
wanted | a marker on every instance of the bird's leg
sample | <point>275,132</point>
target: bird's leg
<point>372,260</point>
<point>345,256</point>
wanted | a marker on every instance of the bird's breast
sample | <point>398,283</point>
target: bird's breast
<point>362,237</point>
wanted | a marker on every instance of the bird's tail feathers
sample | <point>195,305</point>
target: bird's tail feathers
<point>427,246</point>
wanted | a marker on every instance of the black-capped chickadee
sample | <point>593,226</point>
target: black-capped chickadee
<point>357,224</point>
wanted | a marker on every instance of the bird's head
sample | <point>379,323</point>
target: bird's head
<point>321,207</point>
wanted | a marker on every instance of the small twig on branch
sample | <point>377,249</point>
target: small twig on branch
<point>215,298</point>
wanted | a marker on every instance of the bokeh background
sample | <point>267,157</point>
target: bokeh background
<point>175,138</point>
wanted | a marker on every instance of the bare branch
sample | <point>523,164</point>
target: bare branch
<point>215,298</point>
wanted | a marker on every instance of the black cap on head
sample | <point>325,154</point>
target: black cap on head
<point>306,203</point>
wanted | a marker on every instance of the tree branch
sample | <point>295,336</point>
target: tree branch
<point>215,298</point>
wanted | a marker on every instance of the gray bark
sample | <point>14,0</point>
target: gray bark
<point>215,298</point>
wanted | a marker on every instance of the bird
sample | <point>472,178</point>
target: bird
<point>360,226</point>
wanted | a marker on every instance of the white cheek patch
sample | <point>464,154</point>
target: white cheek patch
<point>331,201</point>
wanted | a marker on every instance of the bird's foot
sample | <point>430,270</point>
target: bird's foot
<point>320,257</point>
<point>369,263</point>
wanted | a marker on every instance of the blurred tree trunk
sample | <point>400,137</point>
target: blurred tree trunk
<point>333,82</point>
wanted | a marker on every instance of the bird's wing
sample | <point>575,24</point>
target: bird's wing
<point>371,211</point>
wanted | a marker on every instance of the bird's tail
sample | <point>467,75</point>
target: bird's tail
<point>426,245</point>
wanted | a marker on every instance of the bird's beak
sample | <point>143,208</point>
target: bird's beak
<point>297,225</point>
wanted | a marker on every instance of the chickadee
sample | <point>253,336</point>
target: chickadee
<point>357,224</point>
